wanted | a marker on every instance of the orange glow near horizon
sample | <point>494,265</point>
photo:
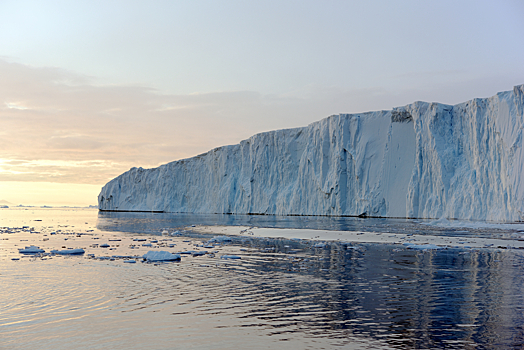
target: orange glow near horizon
<point>48,193</point>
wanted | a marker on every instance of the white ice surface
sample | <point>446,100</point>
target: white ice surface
<point>31,250</point>
<point>410,241</point>
<point>423,160</point>
<point>443,222</point>
<point>161,255</point>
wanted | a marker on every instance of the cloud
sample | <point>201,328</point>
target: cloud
<point>59,126</point>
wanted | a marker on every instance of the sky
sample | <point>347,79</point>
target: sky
<point>90,89</point>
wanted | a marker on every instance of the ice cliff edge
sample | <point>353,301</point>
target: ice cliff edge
<point>424,160</point>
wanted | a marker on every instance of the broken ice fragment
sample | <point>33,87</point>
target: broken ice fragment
<point>69,251</point>
<point>160,256</point>
<point>31,250</point>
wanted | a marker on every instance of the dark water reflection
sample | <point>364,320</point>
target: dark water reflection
<point>143,222</point>
<point>380,295</point>
<point>406,299</point>
<point>282,293</point>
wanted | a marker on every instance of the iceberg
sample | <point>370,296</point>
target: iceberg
<point>423,160</point>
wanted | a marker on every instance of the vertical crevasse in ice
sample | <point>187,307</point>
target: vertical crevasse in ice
<point>424,160</point>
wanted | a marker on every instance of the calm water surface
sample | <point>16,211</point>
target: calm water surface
<point>281,293</point>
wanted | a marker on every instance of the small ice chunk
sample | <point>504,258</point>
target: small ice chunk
<point>220,239</point>
<point>31,250</point>
<point>229,257</point>
<point>421,246</point>
<point>130,261</point>
<point>160,256</point>
<point>69,251</point>
<point>105,245</point>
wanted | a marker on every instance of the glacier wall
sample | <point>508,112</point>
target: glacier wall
<point>423,160</point>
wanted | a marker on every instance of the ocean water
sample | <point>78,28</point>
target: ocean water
<point>281,294</point>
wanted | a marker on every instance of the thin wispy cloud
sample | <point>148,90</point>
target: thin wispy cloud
<point>59,126</point>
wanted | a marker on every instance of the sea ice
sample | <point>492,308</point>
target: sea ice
<point>421,246</point>
<point>31,250</point>
<point>199,253</point>
<point>160,256</point>
<point>220,239</point>
<point>319,245</point>
<point>68,251</point>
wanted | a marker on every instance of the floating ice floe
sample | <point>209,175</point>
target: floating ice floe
<point>199,253</point>
<point>320,245</point>
<point>69,251</point>
<point>31,250</point>
<point>444,223</point>
<point>229,257</point>
<point>160,256</point>
<point>220,239</point>
<point>421,246</point>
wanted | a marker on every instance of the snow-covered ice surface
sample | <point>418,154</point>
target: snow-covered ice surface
<point>288,282</point>
<point>423,160</point>
<point>161,255</point>
<point>31,250</point>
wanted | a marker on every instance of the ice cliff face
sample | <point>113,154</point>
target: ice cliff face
<point>424,160</point>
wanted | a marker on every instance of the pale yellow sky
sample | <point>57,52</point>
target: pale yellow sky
<point>48,193</point>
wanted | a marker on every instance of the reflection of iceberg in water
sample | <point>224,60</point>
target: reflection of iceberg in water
<point>404,299</point>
